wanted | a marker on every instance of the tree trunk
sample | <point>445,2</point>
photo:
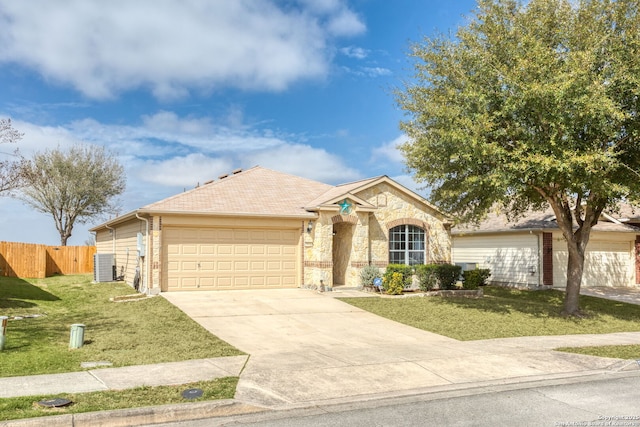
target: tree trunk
<point>575,268</point>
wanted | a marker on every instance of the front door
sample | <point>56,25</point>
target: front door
<point>342,246</point>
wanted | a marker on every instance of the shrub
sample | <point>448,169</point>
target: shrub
<point>406,272</point>
<point>367,274</point>
<point>448,275</point>
<point>441,276</point>
<point>427,277</point>
<point>471,279</point>
<point>394,284</point>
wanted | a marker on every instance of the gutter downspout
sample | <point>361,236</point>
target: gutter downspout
<point>145,280</point>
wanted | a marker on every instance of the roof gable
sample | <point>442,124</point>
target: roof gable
<point>351,190</point>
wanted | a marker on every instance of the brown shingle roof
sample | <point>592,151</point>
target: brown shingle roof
<point>256,191</point>
<point>496,222</point>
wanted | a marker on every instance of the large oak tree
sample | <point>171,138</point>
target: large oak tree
<point>74,185</point>
<point>531,104</point>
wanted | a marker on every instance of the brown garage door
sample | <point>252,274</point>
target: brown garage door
<point>229,258</point>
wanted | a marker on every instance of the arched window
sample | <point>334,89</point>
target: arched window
<point>406,245</point>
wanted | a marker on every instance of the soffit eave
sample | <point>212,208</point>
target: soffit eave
<point>149,212</point>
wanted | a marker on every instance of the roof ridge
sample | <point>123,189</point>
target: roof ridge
<point>362,180</point>
<point>207,184</point>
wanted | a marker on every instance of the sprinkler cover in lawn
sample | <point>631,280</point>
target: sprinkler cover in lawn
<point>58,402</point>
<point>192,393</point>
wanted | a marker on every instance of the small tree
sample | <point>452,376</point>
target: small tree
<point>9,167</point>
<point>75,185</point>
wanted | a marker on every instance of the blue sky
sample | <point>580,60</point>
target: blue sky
<point>183,91</point>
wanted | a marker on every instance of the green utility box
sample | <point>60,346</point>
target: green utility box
<point>77,335</point>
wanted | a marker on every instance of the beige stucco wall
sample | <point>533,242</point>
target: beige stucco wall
<point>367,233</point>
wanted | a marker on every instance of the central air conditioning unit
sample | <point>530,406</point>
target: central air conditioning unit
<point>103,268</point>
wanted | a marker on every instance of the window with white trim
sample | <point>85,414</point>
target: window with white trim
<point>407,245</point>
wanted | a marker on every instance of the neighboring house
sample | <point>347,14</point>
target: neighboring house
<point>532,252</point>
<point>265,229</point>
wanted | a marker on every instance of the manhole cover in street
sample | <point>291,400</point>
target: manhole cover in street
<point>192,393</point>
<point>55,403</point>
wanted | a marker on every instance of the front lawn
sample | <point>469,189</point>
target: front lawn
<point>503,313</point>
<point>122,333</point>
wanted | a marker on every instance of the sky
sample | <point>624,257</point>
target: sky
<point>183,91</point>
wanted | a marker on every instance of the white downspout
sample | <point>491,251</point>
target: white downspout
<point>145,280</point>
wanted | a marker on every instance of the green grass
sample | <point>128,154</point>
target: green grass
<point>26,407</point>
<point>616,351</point>
<point>125,333</point>
<point>503,313</point>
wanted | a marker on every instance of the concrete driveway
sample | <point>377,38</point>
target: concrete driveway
<point>308,347</point>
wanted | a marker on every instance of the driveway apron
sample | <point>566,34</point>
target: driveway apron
<point>307,347</point>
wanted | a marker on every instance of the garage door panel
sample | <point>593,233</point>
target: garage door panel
<point>241,235</point>
<point>225,250</point>
<point>274,250</point>
<point>207,266</point>
<point>225,266</point>
<point>258,250</point>
<point>258,265</point>
<point>257,281</point>
<point>188,266</point>
<point>288,251</point>
<point>258,235</point>
<point>207,249</point>
<point>241,250</point>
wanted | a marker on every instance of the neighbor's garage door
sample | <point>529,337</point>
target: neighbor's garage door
<point>607,263</point>
<point>224,258</point>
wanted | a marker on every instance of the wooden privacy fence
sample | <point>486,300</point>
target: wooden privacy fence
<point>40,261</point>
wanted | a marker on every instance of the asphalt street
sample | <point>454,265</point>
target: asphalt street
<point>608,400</point>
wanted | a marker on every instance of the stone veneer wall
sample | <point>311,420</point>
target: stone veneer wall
<point>370,236</point>
<point>399,206</point>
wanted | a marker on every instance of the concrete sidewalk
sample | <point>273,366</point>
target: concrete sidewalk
<point>174,373</point>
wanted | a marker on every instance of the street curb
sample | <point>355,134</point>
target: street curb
<point>231,408</point>
<point>141,416</point>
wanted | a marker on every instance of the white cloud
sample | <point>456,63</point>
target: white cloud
<point>355,52</point>
<point>389,151</point>
<point>39,138</point>
<point>172,47</point>
<point>175,135</point>
<point>339,19</point>
<point>170,151</point>
<point>371,72</point>
<point>186,171</point>
<point>376,71</point>
<point>306,161</point>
